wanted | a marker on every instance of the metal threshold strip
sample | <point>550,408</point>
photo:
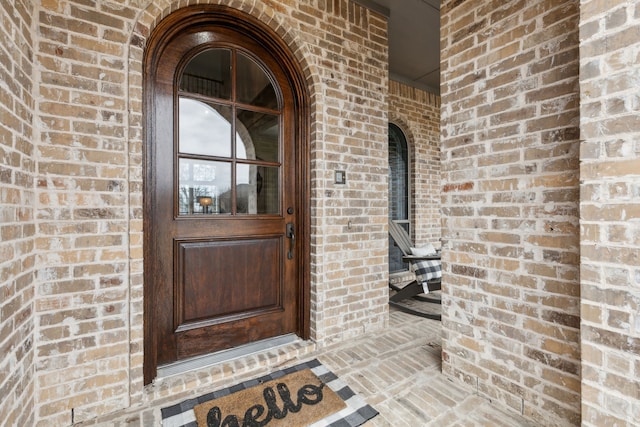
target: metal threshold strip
<point>224,356</point>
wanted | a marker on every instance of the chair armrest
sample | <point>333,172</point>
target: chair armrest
<point>409,258</point>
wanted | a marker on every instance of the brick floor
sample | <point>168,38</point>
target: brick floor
<point>396,371</point>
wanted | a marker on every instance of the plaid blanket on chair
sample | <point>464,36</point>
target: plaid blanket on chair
<point>427,270</point>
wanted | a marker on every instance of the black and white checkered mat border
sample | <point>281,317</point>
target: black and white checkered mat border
<point>354,414</point>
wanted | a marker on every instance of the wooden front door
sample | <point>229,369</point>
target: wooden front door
<point>223,265</point>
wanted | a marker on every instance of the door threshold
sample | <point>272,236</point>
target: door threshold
<point>206,360</point>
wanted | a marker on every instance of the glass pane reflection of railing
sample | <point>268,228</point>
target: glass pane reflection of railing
<point>209,74</point>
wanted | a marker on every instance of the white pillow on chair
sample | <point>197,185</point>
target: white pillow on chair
<point>425,250</point>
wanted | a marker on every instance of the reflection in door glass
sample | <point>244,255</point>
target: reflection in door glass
<point>204,187</point>
<point>258,135</point>
<point>205,128</point>
<point>212,178</point>
<point>257,190</point>
<point>208,74</point>
<point>254,86</point>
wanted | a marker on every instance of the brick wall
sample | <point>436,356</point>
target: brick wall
<point>610,212</point>
<point>417,113</point>
<point>17,167</point>
<point>83,305</point>
<point>349,271</point>
<point>510,155</point>
<point>89,186</point>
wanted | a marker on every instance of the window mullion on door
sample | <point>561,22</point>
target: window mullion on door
<point>234,115</point>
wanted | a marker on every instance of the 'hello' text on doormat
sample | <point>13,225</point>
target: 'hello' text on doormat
<point>307,394</point>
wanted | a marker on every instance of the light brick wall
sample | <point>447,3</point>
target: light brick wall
<point>417,113</point>
<point>510,203</point>
<point>349,271</point>
<point>610,212</point>
<point>90,297</point>
<point>17,168</point>
<point>83,303</point>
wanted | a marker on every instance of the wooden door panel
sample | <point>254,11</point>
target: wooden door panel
<point>220,279</point>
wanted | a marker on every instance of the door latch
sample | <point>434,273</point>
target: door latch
<point>292,236</point>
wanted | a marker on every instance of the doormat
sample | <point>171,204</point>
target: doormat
<point>305,395</point>
<point>297,399</point>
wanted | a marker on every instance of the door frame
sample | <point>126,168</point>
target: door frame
<point>169,27</point>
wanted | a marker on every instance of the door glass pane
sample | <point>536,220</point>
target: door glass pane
<point>254,86</point>
<point>204,187</point>
<point>257,190</point>
<point>257,136</point>
<point>208,74</point>
<point>205,128</point>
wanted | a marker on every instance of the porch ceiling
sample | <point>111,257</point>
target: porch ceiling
<point>414,40</point>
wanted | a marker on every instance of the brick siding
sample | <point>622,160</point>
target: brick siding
<point>610,212</point>
<point>17,230</point>
<point>510,203</point>
<point>83,307</point>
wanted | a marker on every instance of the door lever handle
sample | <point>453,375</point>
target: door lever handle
<point>292,236</point>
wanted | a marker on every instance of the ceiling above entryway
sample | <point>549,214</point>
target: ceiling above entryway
<point>414,40</point>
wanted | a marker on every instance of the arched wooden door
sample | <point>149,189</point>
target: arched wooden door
<point>225,224</point>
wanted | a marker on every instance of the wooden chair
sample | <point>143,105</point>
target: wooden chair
<point>427,269</point>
